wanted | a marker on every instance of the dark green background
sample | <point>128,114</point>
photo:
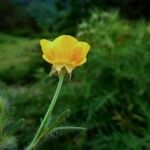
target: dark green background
<point>109,95</point>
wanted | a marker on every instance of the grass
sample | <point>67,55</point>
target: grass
<point>18,57</point>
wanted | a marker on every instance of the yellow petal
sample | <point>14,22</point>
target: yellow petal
<point>45,58</point>
<point>48,49</point>
<point>64,46</point>
<point>69,68</point>
<point>80,52</point>
<point>82,62</point>
<point>58,67</point>
<point>65,51</point>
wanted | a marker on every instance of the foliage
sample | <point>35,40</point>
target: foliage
<point>109,95</point>
<point>29,18</point>
<point>22,57</point>
<point>7,140</point>
<point>43,12</point>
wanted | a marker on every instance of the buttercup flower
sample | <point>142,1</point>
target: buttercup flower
<point>65,52</point>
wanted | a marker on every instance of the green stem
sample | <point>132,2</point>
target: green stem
<point>47,116</point>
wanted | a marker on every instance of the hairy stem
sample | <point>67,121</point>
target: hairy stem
<point>47,116</point>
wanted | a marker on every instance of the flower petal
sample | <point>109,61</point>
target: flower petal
<point>80,52</point>
<point>64,45</point>
<point>65,51</point>
<point>69,68</point>
<point>58,67</point>
<point>47,48</point>
<point>45,58</point>
<point>82,62</point>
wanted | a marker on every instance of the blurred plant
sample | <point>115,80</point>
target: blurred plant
<point>44,13</point>
<point>7,141</point>
<point>120,90</point>
<point>24,57</point>
<point>65,53</point>
<point>105,28</point>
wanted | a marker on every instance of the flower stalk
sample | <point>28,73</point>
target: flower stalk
<point>48,115</point>
<point>65,53</point>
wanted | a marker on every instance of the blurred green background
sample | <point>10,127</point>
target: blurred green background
<point>109,95</point>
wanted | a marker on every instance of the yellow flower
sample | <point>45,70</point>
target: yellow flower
<point>65,52</point>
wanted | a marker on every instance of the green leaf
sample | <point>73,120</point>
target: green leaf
<point>60,119</point>
<point>68,128</point>
<point>1,106</point>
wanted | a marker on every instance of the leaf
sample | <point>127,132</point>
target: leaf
<point>68,128</point>
<point>60,119</point>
